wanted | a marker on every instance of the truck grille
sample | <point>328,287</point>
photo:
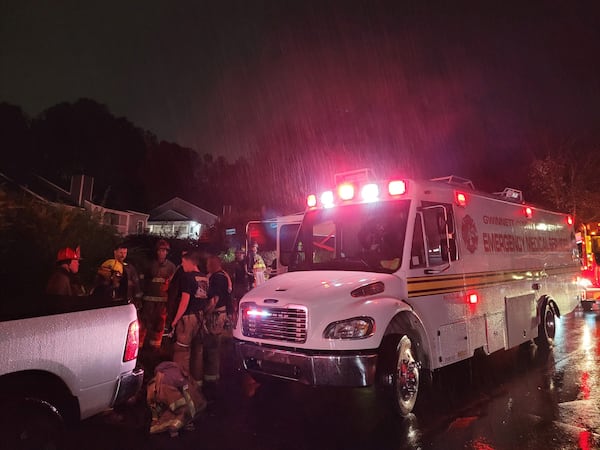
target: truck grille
<point>280,324</point>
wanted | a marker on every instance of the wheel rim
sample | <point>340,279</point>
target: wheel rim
<point>407,376</point>
<point>549,324</point>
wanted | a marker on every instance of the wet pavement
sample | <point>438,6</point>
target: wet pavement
<point>521,399</point>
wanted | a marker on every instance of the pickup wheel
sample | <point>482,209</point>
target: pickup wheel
<point>28,424</point>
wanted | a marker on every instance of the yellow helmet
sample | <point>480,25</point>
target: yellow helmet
<point>111,267</point>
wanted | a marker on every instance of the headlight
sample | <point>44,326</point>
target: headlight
<point>355,328</point>
<point>585,283</point>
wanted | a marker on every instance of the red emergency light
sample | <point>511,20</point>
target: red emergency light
<point>528,212</point>
<point>311,201</point>
<point>472,298</point>
<point>460,198</point>
<point>570,220</point>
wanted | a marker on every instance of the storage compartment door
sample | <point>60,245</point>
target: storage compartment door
<point>521,320</point>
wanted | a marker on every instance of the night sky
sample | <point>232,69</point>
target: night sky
<point>454,86</point>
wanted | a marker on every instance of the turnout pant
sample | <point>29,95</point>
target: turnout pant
<point>152,322</point>
<point>188,349</point>
<point>215,323</point>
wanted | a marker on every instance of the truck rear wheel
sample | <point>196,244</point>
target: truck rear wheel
<point>546,327</point>
<point>29,424</point>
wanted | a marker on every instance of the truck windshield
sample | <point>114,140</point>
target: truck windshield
<point>364,237</point>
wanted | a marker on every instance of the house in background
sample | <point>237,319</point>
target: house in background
<point>180,219</point>
<point>126,222</point>
<point>80,196</point>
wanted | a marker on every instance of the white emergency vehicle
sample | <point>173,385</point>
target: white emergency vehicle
<point>397,279</point>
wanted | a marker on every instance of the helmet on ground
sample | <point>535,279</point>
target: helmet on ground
<point>110,268</point>
<point>163,244</point>
<point>67,254</point>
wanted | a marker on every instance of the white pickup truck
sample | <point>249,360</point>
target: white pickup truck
<point>63,359</point>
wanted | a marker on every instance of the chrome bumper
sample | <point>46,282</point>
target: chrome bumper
<point>342,369</point>
<point>128,385</point>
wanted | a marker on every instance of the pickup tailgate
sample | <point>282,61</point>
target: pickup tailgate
<point>85,348</point>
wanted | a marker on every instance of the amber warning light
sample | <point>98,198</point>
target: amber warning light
<point>397,187</point>
<point>346,191</point>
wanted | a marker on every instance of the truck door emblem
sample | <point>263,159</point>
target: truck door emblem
<point>469,233</point>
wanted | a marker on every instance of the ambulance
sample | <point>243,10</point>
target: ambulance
<point>393,280</point>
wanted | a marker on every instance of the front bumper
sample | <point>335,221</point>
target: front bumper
<point>339,369</point>
<point>128,385</point>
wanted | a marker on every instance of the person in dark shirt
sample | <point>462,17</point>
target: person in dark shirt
<point>240,280</point>
<point>219,294</point>
<point>189,319</point>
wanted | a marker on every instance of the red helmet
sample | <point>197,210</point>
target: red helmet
<point>68,253</point>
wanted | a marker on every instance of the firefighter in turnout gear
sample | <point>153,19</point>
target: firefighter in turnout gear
<point>62,281</point>
<point>153,314</point>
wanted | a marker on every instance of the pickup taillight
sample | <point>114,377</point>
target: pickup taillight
<point>133,342</point>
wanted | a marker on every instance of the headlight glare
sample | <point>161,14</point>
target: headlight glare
<point>354,328</point>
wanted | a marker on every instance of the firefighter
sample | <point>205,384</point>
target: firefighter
<point>153,314</point>
<point>219,295</point>
<point>189,320</point>
<point>62,281</point>
<point>108,280</point>
<point>257,269</point>
<point>130,282</point>
<point>240,280</point>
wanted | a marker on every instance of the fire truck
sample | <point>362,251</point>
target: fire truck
<point>588,242</point>
<point>392,280</point>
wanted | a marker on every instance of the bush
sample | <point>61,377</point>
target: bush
<point>32,232</point>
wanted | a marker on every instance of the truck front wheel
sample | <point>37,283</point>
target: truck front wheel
<point>401,374</point>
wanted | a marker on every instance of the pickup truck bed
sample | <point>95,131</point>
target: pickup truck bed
<point>72,357</point>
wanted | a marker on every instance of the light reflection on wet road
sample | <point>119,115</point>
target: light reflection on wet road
<point>520,399</point>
